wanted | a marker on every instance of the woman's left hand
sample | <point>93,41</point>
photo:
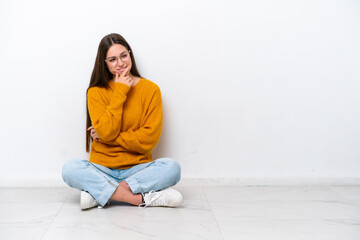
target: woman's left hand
<point>93,133</point>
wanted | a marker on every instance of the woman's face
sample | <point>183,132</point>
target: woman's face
<point>118,58</point>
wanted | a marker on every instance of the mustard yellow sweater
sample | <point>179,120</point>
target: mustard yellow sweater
<point>128,122</point>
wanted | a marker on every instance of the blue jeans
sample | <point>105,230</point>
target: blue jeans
<point>101,182</point>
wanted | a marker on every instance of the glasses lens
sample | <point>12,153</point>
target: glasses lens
<point>114,60</point>
<point>124,57</point>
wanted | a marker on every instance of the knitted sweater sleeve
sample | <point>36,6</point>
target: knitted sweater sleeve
<point>106,118</point>
<point>144,139</point>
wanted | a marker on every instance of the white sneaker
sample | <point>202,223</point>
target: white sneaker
<point>165,198</point>
<point>87,201</point>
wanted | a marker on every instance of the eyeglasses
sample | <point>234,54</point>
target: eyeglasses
<point>124,57</point>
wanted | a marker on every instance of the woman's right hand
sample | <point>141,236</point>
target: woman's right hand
<point>124,77</point>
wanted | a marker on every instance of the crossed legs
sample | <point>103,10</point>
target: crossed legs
<point>105,184</point>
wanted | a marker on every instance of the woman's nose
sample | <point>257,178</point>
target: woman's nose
<point>120,62</point>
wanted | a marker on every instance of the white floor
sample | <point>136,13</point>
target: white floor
<point>236,212</point>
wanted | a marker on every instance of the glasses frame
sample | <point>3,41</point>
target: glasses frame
<point>117,58</point>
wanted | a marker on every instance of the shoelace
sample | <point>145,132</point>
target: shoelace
<point>153,199</point>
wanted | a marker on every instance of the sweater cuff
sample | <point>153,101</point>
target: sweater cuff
<point>122,87</point>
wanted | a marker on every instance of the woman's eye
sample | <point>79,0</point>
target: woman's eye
<point>112,60</point>
<point>124,56</point>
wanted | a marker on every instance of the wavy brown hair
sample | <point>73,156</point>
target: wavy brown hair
<point>101,75</point>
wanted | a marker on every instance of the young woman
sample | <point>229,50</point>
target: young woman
<point>124,122</point>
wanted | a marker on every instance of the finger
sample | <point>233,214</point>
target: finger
<point>116,75</point>
<point>126,71</point>
<point>90,128</point>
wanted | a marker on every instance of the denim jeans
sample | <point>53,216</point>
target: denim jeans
<point>101,182</point>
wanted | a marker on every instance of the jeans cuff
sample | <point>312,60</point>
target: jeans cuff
<point>134,185</point>
<point>107,193</point>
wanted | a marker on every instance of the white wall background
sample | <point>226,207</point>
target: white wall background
<point>251,89</point>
